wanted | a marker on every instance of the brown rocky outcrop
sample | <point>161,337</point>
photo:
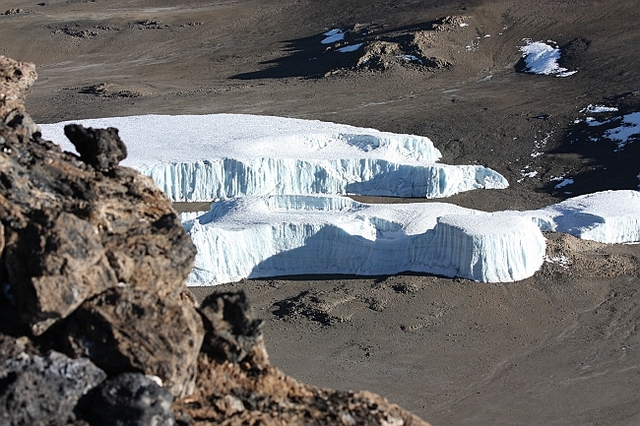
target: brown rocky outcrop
<point>96,324</point>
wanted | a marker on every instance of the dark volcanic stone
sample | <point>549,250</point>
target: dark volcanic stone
<point>102,148</point>
<point>125,330</point>
<point>43,390</point>
<point>129,399</point>
<point>232,332</point>
<point>71,228</point>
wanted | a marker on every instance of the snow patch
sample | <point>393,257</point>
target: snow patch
<point>542,58</point>
<point>411,58</point>
<point>565,182</point>
<point>595,109</point>
<point>333,36</point>
<point>562,261</point>
<point>350,48</point>
<point>626,130</point>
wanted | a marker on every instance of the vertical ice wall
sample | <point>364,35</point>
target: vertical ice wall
<point>208,157</point>
<point>285,235</point>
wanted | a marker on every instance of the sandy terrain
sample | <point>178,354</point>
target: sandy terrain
<point>559,348</point>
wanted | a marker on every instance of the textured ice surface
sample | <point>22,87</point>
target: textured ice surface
<point>208,157</point>
<point>291,235</point>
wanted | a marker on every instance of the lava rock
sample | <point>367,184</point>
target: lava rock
<point>232,333</point>
<point>102,148</point>
<point>43,390</point>
<point>73,227</point>
<point>67,264</point>
<point>129,399</point>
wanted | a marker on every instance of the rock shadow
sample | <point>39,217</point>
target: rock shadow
<point>607,163</point>
<point>370,47</point>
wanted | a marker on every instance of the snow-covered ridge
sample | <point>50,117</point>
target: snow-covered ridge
<point>288,235</point>
<point>206,157</point>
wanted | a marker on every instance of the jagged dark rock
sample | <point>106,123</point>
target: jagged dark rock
<point>124,329</point>
<point>129,399</point>
<point>43,390</point>
<point>102,148</point>
<point>71,230</point>
<point>232,333</point>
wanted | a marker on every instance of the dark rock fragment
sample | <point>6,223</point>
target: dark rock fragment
<point>43,390</point>
<point>232,333</point>
<point>124,330</point>
<point>129,399</point>
<point>102,148</point>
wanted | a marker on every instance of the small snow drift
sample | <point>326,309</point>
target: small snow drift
<point>289,235</point>
<point>540,57</point>
<point>219,156</point>
<point>610,217</point>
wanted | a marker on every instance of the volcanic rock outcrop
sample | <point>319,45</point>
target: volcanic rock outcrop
<point>96,324</point>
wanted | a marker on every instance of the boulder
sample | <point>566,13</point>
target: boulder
<point>102,148</point>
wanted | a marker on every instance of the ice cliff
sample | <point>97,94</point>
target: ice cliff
<point>219,156</point>
<point>289,235</point>
<point>270,172</point>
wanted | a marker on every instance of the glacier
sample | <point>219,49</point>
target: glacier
<point>290,235</point>
<point>275,181</point>
<point>252,237</point>
<point>220,156</point>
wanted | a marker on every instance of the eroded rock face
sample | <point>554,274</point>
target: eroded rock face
<point>89,251</point>
<point>93,261</point>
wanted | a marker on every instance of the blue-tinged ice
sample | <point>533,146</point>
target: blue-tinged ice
<point>295,235</point>
<point>290,235</point>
